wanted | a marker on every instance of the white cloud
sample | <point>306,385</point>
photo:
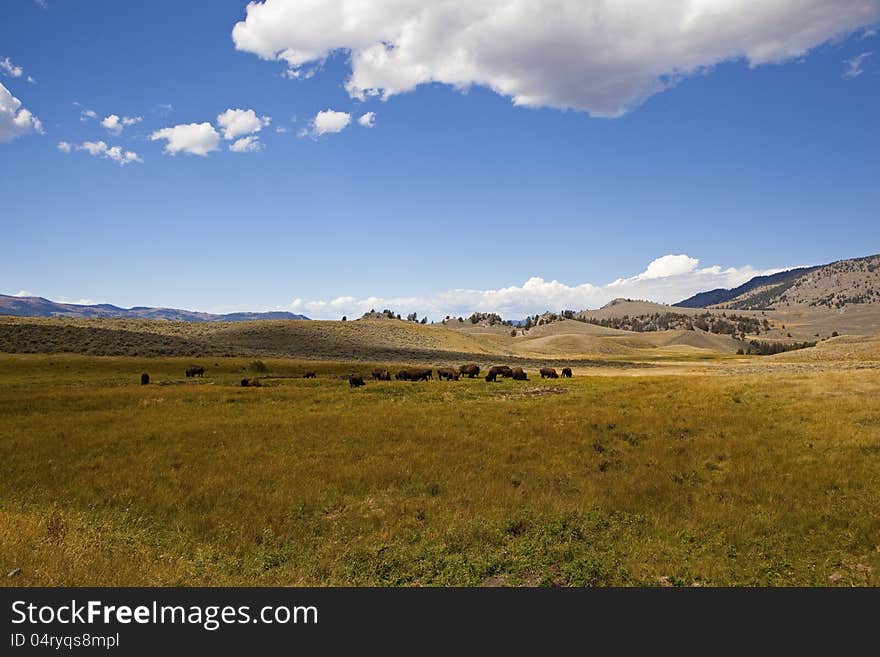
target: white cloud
<point>193,138</point>
<point>76,302</point>
<point>249,144</point>
<point>281,130</point>
<point>669,265</point>
<point>64,147</point>
<point>854,66</point>
<point>102,150</point>
<point>329,121</point>
<point>237,122</point>
<point>597,56</point>
<point>23,293</point>
<point>115,124</point>
<point>87,114</point>
<point>368,120</point>
<point>15,120</point>
<point>31,80</point>
<point>10,69</point>
<point>668,279</point>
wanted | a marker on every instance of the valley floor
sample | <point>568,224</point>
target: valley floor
<point>693,470</point>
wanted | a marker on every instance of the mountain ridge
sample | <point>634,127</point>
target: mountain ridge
<point>835,285</point>
<point>42,307</point>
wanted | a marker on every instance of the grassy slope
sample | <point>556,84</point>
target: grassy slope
<point>765,479</point>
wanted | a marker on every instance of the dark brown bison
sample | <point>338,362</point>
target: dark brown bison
<point>519,374</point>
<point>356,381</point>
<point>471,371</point>
<point>251,383</point>
<point>310,375</point>
<point>503,371</point>
<point>145,379</point>
<point>381,375</point>
<point>548,373</point>
<point>447,373</point>
<point>195,370</point>
<point>492,374</point>
<point>415,374</point>
<point>566,372</point>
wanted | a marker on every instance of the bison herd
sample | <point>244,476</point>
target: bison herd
<point>470,371</point>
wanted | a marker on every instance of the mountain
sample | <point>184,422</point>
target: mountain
<point>40,307</point>
<point>835,285</point>
<point>721,295</point>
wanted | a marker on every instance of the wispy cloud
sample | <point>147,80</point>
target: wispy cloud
<point>101,149</point>
<point>115,124</point>
<point>10,69</point>
<point>668,279</point>
<point>855,66</point>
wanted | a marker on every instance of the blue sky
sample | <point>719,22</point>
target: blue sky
<point>535,194</point>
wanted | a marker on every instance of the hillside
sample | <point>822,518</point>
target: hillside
<point>839,285</point>
<point>40,307</point>
<point>721,295</point>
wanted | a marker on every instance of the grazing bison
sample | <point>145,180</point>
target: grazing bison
<point>195,370</point>
<point>503,371</point>
<point>310,375</point>
<point>250,383</point>
<point>471,371</point>
<point>145,379</point>
<point>414,375</point>
<point>447,373</point>
<point>381,375</point>
<point>519,374</point>
<point>566,372</point>
<point>492,374</point>
<point>548,373</point>
<point>355,381</point>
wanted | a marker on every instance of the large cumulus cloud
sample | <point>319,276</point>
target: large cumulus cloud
<point>597,56</point>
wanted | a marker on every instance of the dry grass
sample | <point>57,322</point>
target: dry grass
<point>770,479</point>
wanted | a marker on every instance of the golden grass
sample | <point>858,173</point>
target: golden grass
<point>770,479</point>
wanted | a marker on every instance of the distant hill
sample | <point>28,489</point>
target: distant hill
<point>40,307</point>
<point>836,285</point>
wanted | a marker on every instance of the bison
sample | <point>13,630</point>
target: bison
<point>503,370</point>
<point>415,374</point>
<point>492,374</point>
<point>145,379</point>
<point>566,372</point>
<point>250,383</point>
<point>471,371</point>
<point>355,381</point>
<point>381,375</point>
<point>548,373</point>
<point>448,373</point>
<point>310,375</point>
<point>195,370</point>
<point>519,374</point>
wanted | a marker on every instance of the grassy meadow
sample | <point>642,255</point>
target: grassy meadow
<point>614,477</point>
